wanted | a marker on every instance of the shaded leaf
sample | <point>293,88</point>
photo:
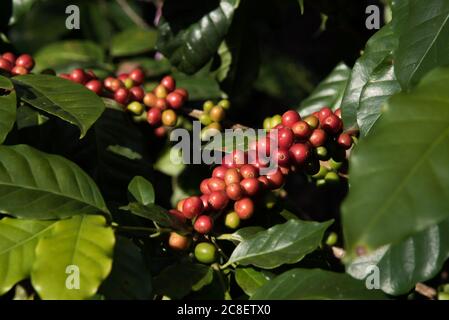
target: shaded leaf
<point>142,190</point>
<point>250,279</point>
<point>8,102</point>
<point>133,41</point>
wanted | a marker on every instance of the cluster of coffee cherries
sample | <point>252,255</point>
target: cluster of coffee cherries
<point>162,102</point>
<point>303,145</point>
<point>20,65</point>
<point>212,116</point>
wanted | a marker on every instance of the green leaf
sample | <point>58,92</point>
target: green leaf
<point>370,73</point>
<point>250,279</point>
<point>403,265</point>
<point>142,190</point>
<point>65,53</point>
<point>8,102</point>
<point>398,179</point>
<point>130,279</point>
<point>284,243</point>
<point>69,101</point>
<point>242,234</point>
<point>329,92</point>
<point>37,185</point>
<point>165,164</point>
<point>18,240</point>
<point>315,284</point>
<point>82,242</point>
<point>29,117</point>
<point>179,279</point>
<point>423,40</point>
<point>20,8</point>
<point>189,41</point>
<point>200,87</point>
<point>133,41</point>
<point>151,212</point>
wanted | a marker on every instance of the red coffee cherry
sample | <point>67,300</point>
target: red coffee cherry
<point>10,57</point>
<point>204,188</point>
<point>205,199</point>
<point>91,75</point>
<point>345,141</point>
<point>218,200</point>
<point>219,172</point>
<point>178,215</point>
<point>160,132</point>
<point>324,113</point>
<point>161,103</point>
<point>299,153</point>
<point>26,61</point>
<point>77,75</point>
<point>183,92</point>
<point>178,242</point>
<point>137,76</point>
<point>175,100</point>
<point>235,159</point>
<point>232,175</point>
<point>19,70</point>
<point>180,204</point>
<point>264,182</point>
<point>332,124</point>
<point>249,171</point>
<point>290,117</point>
<point>122,96</point>
<point>318,138</point>
<point>282,157</point>
<point>116,84</point>
<point>276,179</point>
<point>150,100</point>
<point>169,83</point>
<point>5,64</point>
<point>192,207</point>
<point>234,191</point>
<point>251,186</point>
<point>137,93</point>
<point>338,113</point>
<point>154,116</point>
<point>123,77</point>
<point>95,86</point>
<point>312,121</point>
<point>302,130</point>
<point>64,76</point>
<point>263,148</point>
<point>244,208</point>
<point>216,184</point>
<point>285,138</point>
<point>203,224</point>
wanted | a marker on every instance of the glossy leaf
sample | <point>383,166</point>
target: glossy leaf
<point>399,182</point>
<point>284,243</point>
<point>423,40</point>
<point>69,101</point>
<point>82,245</point>
<point>315,284</point>
<point>29,117</point>
<point>8,102</point>
<point>190,41</point>
<point>329,92</point>
<point>250,279</point>
<point>403,265</point>
<point>18,240</point>
<point>37,185</point>
<point>142,190</point>
<point>133,41</point>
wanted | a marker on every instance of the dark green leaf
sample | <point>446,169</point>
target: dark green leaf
<point>8,102</point>
<point>250,279</point>
<point>133,41</point>
<point>29,117</point>
<point>151,212</point>
<point>399,182</point>
<point>142,190</point>
<point>200,87</point>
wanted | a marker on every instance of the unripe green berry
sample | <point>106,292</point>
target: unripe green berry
<point>332,239</point>
<point>205,252</point>
<point>312,121</point>
<point>232,220</point>
<point>140,118</point>
<point>225,104</point>
<point>332,177</point>
<point>207,106</point>
<point>443,296</point>
<point>135,108</point>
<point>321,173</point>
<point>267,123</point>
<point>335,164</point>
<point>322,153</point>
<point>320,182</point>
<point>129,83</point>
<point>275,120</point>
<point>205,119</point>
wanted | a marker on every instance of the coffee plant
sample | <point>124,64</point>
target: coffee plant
<point>97,200</point>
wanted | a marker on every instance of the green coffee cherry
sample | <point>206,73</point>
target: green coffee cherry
<point>332,177</point>
<point>321,173</point>
<point>322,153</point>
<point>332,239</point>
<point>335,164</point>
<point>128,83</point>
<point>232,220</point>
<point>275,120</point>
<point>207,106</point>
<point>205,252</point>
<point>267,123</point>
<point>135,108</point>
<point>225,104</point>
<point>443,296</point>
<point>205,119</point>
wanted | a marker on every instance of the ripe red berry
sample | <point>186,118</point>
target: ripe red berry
<point>178,215</point>
<point>249,171</point>
<point>332,124</point>
<point>203,224</point>
<point>264,146</point>
<point>137,76</point>
<point>149,100</point>
<point>160,132</point>
<point>180,204</point>
<point>91,75</point>
<point>290,117</point>
<point>64,76</point>
<point>19,70</point>
<point>123,76</point>
<point>232,175</point>
<point>5,64</point>
<point>77,75</point>
<point>318,138</point>
<point>235,159</point>
<point>161,103</point>
<point>192,207</point>
<point>234,191</point>
<point>154,116</point>
<point>282,157</point>
<point>299,153</point>
<point>178,242</point>
<point>10,57</point>
<point>285,137</point>
<point>136,93</point>
<point>175,100</point>
<point>218,200</point>
<point>183,92</point>
<point>95,86</point>
<point>121,96</point>
<point>324,113</point>
<point>276,179</point>
<point>244,208</point>
<point>251,186</point>
<point>302,130</point>
<point>169,83</point>
<point>338,113</point>
<point>26,61</point>
<point>205,199</point>
<point>345,140</point>
<point>216,184</point>
<point>219,172</point>
<point>204,188</point>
